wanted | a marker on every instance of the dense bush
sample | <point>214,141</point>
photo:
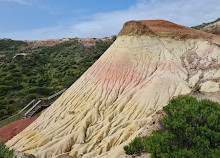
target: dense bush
<point>5,152</point>
<point>42,71</point>
<point>135,147</point>
<point>190,129</point>
<point>8,44</point>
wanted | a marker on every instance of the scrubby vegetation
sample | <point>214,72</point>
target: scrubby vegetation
<point>191,129</point>
<point>5,152</point>
<point>27,73</point>
<point>205,24</point>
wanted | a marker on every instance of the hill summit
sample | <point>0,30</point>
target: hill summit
<point>123,92</point>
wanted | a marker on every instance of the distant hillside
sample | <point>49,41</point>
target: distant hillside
<point>205,25</point>
<point>32,69</point>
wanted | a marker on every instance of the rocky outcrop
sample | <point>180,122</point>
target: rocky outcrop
<point>121,95</point>
<point>45,43</point>
<point>88,42</point>
<point>145,155</point>
<point>23,155</point>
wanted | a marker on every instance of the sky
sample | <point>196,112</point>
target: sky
<point>55,19</point>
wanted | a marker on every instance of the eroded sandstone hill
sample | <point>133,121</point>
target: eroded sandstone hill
<point>212,28</point>
<point>117,98</point>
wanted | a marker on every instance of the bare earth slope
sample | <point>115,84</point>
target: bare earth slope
<point>9,131</point>
<point>118,97</point>
<point>212,28</point>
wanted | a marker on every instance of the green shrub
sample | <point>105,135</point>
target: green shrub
<point>5,152</point>
<point>40,90</point>
<point>4,89</point>
<point>8,44</point>
<point>135,147</point>
<point>190,129</point>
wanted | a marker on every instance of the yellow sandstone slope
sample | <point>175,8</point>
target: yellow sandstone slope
<point>116,98</point>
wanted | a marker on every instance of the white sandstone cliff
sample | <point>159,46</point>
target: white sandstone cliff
<point>115,100</point>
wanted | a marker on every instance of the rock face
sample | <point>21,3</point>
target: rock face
<point>119,96</point>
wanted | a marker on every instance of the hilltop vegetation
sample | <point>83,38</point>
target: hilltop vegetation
<point>198,27</point>
<point>27,73</point>
<point>191,129</point>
